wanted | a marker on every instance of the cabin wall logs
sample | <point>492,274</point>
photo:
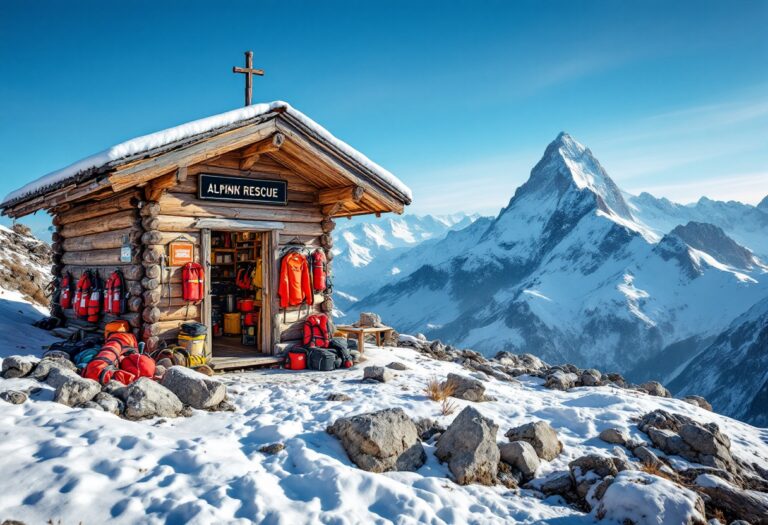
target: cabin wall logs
<point>90,235</point>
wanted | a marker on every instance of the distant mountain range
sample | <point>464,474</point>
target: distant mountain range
<point>573,270</point>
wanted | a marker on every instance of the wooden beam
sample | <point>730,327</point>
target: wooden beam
<point>147,169</point>
<point>252,154</point>
<point>334,195</point>
<point>155,189</point>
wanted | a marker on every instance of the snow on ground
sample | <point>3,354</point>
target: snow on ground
<point>92,467</point>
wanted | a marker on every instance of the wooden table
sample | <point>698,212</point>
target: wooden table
<point>361,331</point>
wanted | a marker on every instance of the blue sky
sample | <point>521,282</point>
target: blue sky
<point>459,99</point>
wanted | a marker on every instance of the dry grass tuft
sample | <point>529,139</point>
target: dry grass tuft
<point>437,390</point>
<point>448,407</point>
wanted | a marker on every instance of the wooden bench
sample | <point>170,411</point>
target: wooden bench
<point>361,331</point>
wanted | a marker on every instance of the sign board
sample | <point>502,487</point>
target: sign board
<point>241,189</point>
<point>125,253</point>
<point>181,253</point>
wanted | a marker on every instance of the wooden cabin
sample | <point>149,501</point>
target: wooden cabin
<point>226,191</point>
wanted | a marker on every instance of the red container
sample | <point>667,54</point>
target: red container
<point>249,319</point>
<point>296,361</point>
<point>245,305</point>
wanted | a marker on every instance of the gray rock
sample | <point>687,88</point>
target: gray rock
<point>76,390</point>
<point>334,396</point>
<point>226,406</point>
<point>380,441</point>
<point>621,464</point>
<point>647,457</point>
<point>421,337</point>
<point>668,441</point>
<point>655,388</point>
<point>377,373</point>
<point>541,436</point>
<point>520,364</point>
<point>14,397</point>
<point>57,376</point>
<point>193,388</point>
<point>369,319</point>
<point>109,403</point>
<point>92,405</point>
<point>589,469</point>
<point>704,440</point>
<point>469,447</point>
<point>146,398</point>
<point>600,488</point>
<point>748,505</point>
<point>698,401</point>
<point>559,380</point>
<point>558,483</point>
<point>397,365</point>
<point>615,436</point>
<point>116,389</point>
<point>591,377</point>
<point>617,379</point>
<point>18,366</point>
<point>274,448</point>
<point>428,427</point>
<point>467,388</point>
<point>522,456</point>
<point>45,366</point>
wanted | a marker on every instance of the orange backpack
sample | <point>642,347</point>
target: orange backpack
<point>317,331</point>
<point>192,281</point>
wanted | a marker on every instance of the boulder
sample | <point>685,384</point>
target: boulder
<point>644,499</point>
<point>18,366</point>
<point>522,456</point>
<point>335,396</point>
<point>193,388</point>
<point>76,390</point>
<point>617,379</point>
<point>655,388</point>
<point>369,319</point>
<point>647,457</point>
<point>58,375</point>
<point>469,447</point>
<point>559,380</point>
<point>541,436</point>
<point>116,389</point>
<point>467,388</point>
<point>591,377</point>
<point>109,403</point>
<point>146,398</point>
<point>698,401</point>
<point>377,373</point>
<point>14,397</point>
<point>559,483</point>
<point>588,470</point>
<point>44,367</point>
<point>397,365</point>
<point>519,364</point>
<point>428,427</point>
<point>272,449</point>
<point>380,441</point>
<point>615,436</point>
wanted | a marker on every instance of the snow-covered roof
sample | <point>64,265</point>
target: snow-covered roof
<point>166,137</point>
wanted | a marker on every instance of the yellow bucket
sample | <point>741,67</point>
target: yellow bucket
<point>193,344</point>
<point>232,324</point>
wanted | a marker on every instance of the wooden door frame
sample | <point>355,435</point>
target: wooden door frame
<point>270,239</point>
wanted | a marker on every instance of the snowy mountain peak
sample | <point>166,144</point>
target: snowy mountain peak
<point>763,205</point>
<point>713,240</point>
<point>568,163</point>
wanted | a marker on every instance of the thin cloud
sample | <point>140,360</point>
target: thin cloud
<point>749,188</point>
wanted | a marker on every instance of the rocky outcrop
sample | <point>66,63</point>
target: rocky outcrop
<point>698,401</point>
<point>588,470</point>
<point>469,447</point>
<point>380,441</point>
<point>194,389</point>
<point>560,380</point>
<point>75,390</point>
<point>654,388</point>
<point>541,437</point>
<point>748,505</point>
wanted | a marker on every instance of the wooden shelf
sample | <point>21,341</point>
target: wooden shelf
<point>228,250</point>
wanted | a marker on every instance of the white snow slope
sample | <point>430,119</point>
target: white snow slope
<point>79,465</point>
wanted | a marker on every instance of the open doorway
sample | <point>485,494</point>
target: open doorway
<point>237,295</point>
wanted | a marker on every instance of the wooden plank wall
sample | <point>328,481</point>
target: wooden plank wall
<point>90,236</point>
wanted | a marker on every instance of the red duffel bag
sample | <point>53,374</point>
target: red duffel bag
<point>139,365</point>
<point>106,365</point>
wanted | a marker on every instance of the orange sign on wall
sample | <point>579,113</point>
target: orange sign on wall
<point>181,253</point>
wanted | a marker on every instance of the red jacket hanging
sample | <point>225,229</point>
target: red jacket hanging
<point>295,284</point>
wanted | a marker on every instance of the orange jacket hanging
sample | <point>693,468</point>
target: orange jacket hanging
<point>295,285</point>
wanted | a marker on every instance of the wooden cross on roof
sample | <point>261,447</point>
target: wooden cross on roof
<point>249,72</point>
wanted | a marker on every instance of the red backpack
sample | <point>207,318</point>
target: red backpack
<point>66,287</point>
<point>319,270</point>
<point>317,331</point>
<point>192,280</point>
<point>114,294</point>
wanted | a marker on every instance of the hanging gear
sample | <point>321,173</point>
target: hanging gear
<point>319,270</point>
<point>114,294</point>
<point>295,287</point>
<point>192,281</point>
<point>66,286</point>
<point>83,294</point>
<point>94,301</point>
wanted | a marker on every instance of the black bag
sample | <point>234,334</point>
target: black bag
<point>339,346</point>
<point>322,359</point>
<point>193,328</point>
